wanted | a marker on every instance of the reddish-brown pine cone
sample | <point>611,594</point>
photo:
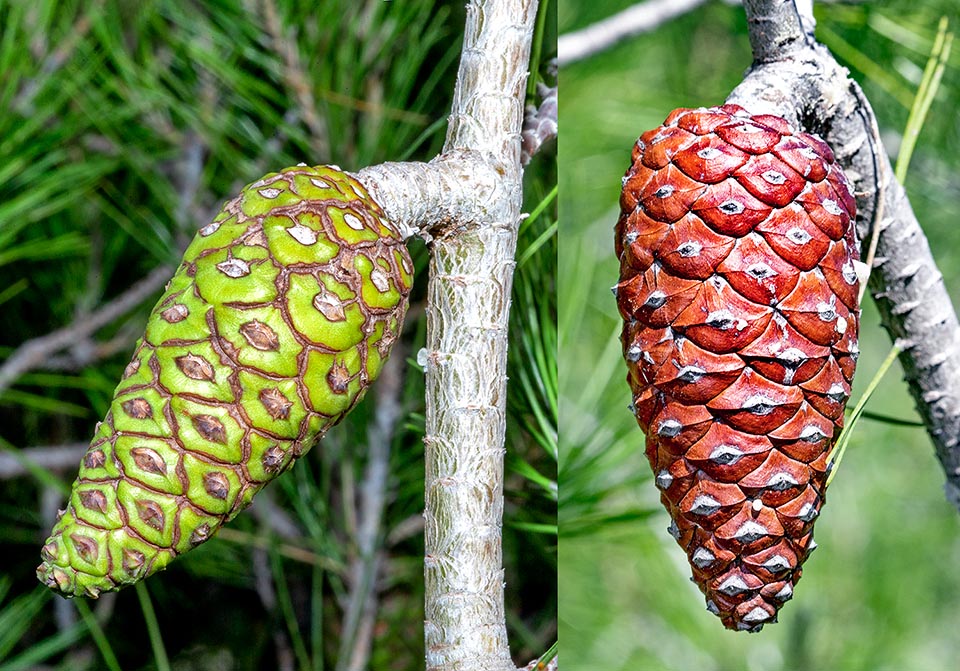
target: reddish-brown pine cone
<point>739,295</point>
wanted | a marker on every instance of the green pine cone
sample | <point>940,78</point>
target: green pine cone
<point>279,317</point>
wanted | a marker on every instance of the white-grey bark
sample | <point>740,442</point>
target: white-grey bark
<point>431,199</point>
<point>540,121</point>
<point>602,35</point>
<point>467,203</point>
<point>798,79</point>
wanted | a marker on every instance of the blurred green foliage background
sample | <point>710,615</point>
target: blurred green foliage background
<point>882,591</point>
<point>123,127</point>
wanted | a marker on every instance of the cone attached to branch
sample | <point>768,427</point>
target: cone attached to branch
<point>739,295</point>
<point>278,319</point>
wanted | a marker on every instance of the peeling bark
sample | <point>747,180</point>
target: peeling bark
<point>467,202</point>
<point>797,78</point>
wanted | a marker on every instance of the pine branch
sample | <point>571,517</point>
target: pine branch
<point>33,353</point>
<point>359,618</point>
<point>297,81</point>
<point>640,18</point>
<point>539,123</point>
<point>469,307</point>
<point>801,81</point>
<point>50,457</point>
<point>468,200</point>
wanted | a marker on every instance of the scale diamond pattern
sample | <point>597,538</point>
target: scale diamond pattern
<point>277,320</point>
<point>739,295</point>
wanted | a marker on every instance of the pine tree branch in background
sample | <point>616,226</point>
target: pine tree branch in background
<point>87,351</point>
<point>50,457</point>
<point>797,78</point>
<point>603,35</point>
<point>263,584</point>
<point>55,59</point>
<point>357,630</point>
<point>33,353</point>
<point>642,17</point>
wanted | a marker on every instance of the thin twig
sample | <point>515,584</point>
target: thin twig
<point>50,457</point>
<point>284,549</point>
<point>263,583</point>
<point>188,177</point>
<point>23,102</point>
<point>600,36</point>
<point>33,353</point>
<point>367,624</point>
<point>88,351</point>
<point>271,516</point>
<point>539,123</point>
<point>93,292</point>
<point>357,630</point>
<point>404,530</point>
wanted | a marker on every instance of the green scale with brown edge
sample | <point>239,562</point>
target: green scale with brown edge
<point>280,316</point>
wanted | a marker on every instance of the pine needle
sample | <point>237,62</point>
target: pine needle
<point>926,92</point>
<point>153,628</point>
<point>99,638</point>
<point>844,438</point>
<point>286,607</point>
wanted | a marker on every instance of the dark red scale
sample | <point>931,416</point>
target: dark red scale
<point>709,159</point>
<point>692,374</point>
<point>770,180</point>
<point>756,272</point>
<point>739,295</point>
<point>730,209</point>
<point>690,249</point>
<point>794,237</point>
<point>645,236</point>
<point>783,355</point>
<point>720,319</point>
<point>837,268</point>
<point>712,455</point>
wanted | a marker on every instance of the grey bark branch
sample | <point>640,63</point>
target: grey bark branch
<point>777,29</point>
<point>263,584</point>
<point>806,85</point>
<point>468,203</point>
<point>433,199</point>
<point>600,36</point>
